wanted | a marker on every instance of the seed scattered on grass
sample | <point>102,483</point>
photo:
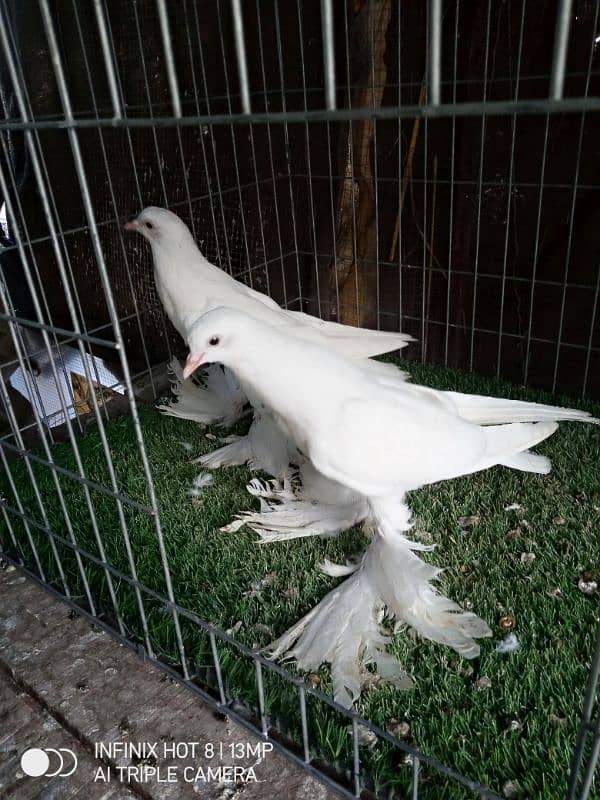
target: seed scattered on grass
<point>366,737</point>
<point>267,630</point>
<point>232,631</point>
<point>483,683</point>
<point>559,521</point>
<point>254,590</point>
<point>269,579</point>
<point>423,536</point>
<point>399,728</point>
<point>527,558</point>
<point>508,622</point>
<point>561,722</point>
<point>468,522</point>
<point>510,644</point>
<point>555,593</point>
<point>514,507</point>
<point>587,582</point>
<point>370,680</point>
<point>511,789</point>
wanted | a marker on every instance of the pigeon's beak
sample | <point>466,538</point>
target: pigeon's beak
<point>192,364</point>
<point>132,225</point>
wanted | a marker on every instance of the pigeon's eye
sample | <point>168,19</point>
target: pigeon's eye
<point>149,225</point>
<point>214,340</point>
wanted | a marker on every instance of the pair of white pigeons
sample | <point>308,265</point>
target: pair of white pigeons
<point>360,436</point>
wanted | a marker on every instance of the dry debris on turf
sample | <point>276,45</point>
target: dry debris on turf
<point>521,550</point>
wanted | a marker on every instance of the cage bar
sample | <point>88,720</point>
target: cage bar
<point>584,728</point>
<point>435,51</point>
<point>108,57</point>
<point>561,43</point>
<point>240,50</point>
<point>304,723</point>
<point>169,57</point>
<point>328,53</point>
<point>356,758</point>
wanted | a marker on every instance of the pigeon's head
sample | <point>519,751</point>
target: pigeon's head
<point>217,336</point>
<point>160,227</point>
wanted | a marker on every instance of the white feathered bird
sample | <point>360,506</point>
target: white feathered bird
<point>380,439</point>
<point>188,286</point>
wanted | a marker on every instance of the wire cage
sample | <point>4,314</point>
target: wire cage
<point>425,167</point>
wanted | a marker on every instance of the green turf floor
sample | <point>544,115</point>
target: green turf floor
<point>504,717</point>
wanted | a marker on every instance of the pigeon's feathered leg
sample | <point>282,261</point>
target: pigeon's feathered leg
<point>265,447</point>
<point>217,399</point>
<point>317,506</point>
<point>344,628</point>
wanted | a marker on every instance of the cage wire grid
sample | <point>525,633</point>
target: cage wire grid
<point>230,143</point>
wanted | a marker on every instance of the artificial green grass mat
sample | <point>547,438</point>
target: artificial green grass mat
<point>518,724</point>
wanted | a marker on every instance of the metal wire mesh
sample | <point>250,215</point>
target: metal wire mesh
<point>425,167</point>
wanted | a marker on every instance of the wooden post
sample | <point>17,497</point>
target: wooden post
<point>352,277</point>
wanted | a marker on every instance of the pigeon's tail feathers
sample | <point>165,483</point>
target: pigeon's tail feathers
<point>345,630</point>
<point>497,411</point>
<point>347,340</point>
<point>505,442</point>
<point>218,399</point>
<point>529,462</point>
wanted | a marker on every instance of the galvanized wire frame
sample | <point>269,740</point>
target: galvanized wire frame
<point>334,106</point>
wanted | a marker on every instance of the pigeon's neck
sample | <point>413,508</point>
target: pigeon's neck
<point>279,379</point>
<point>176,254</point>
<point>177,270</point>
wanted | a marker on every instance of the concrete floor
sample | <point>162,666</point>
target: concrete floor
<point>67,686</point>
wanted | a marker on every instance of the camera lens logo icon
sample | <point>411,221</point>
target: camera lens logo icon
<point>35,762</point>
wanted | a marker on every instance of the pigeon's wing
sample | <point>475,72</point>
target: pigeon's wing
<point>216,288</point>
<point>381,440</point>
<point>345,339</point>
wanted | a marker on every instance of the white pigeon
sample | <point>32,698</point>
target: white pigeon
<point>188,286</point>
<point>380,439</point>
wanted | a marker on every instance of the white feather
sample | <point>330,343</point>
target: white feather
<point>218,399</point>
<point>378,438</point>
<point>315,506</point>
<point>189,286</point>
<point>344,628</point>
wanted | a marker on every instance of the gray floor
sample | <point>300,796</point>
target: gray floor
<point>66,685</point>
